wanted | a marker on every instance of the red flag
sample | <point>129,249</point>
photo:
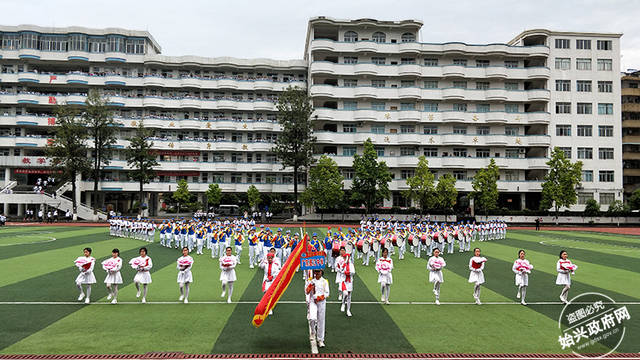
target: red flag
<point>52,77</point>
<point>52,100</point>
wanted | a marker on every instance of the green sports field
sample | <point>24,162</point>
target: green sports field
<point>39,314</point>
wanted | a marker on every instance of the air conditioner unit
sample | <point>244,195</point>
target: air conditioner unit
<point>360,124</point>
<point>522,151</point>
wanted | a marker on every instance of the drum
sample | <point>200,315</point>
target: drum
<point>428,240</point>
<point>348,247</point>
<point>365,247</point>
<point>335,249</point>
<point>448,238</point>
<point>359,245</point>
<point>388,245</point>
<point>423,239</point>
<point>415,241</point>
<point>383,243</point>
<point>376,246</point>
<point>394,240</point>
<point>400,241</point>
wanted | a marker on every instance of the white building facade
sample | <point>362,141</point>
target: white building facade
<point>214,119</point>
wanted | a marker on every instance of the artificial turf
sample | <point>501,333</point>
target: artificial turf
<point>36,268</point>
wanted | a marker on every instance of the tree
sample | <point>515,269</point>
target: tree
<point>592,208</point>
<point>253,197</point>
<point>371,178</point>
<point>446,192</point>
<point>68,150</point>
<point>325,189</point>
<point>102,128</point>
<point>141,158</point>
<point>634,200</point>
<point>421,185</point>
<point>214,195</point>
<point>560,183</point>
<point>616,209</point>
<point>294,145</point>
<point>485,187</point>
<point>182,195</point>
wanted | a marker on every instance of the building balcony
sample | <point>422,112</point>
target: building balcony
<point>630,107</point>
<point>539,95</point>
<point>630,91</point>
<point>409,70</point>
<point>539,72</point>
<point>409,93</point>
<point>496,94</point>
<point>453,71</point>
<point>363,69</point>
<point>453,93</point>
<point>630,139</point>
<point>451,162</point>
<point>496,72</point>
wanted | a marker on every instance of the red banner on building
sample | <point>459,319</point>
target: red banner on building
<point>178,173</point>
<point>36,171</point>
<point>176,152</point>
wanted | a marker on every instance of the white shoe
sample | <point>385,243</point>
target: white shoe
<point>387,302</point>
<point>518,295</point>
<point>181,298</point>
<point>349,313</point>
<point>114,301</point>
<point>437,302</point>
<point>86,301</point>
<point>523,303</point>
<point>340,296</point>
<point>478,301</point>
<point>229,301</point>
<point>382,298</point>
<point>144,300</point>
<point>138,294</point>
<point>270,312</point>
<point>320,343</point>
<point>564,301</point>
<point>342,308</point>
<point>186,301</point>
<point>223,294</point>
<point>81,297</point>
<point>251,266</point>
<point>109,297</point>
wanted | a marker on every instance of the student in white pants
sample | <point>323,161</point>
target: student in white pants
<point>317,292</point>
<point>345,275</point>
<point>112,266</point>
<point>85,264</point>
<point>384,266</point>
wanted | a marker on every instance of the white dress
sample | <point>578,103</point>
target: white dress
<point>476,275</point>
<point>344,265</point>
<point>86,275</point>
<point>564,276</point>
<point>275,269</point>
<point>522,268</point>
<point>384,267</point>
<point>228,273</point>
<point>143,276</point>
<point>185,276</point>
<point>113,274</point>
<point>435,265</point>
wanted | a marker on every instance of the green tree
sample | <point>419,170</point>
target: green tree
<point>68,149</point>
<point>634,200</point>
<point>294,145</point>
<point>560,183</point>
<point>253,197</point>
<point>101,127</point>
<point>421,185</point>
<point>141,158</point>
<point>182,195</point>
<point>592,208</point>
<point>325,189</point>
<point>617,209</point>
<point>214,195</point>
<point>371,178</point>
<point>446,192</point>
<point>485,187</point>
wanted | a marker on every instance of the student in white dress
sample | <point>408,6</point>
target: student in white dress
<point>565,269</point>
<point>384,266</point>
<point>476,276</point>
<point>112,266</point>
<point>317,292</point>
<point>185,278</point>
<point>522,269</point>
<point>346,271</point>
<point>435,264</point>
<point>142,264</point>
<point>85,264</point>
<point>228,264</point>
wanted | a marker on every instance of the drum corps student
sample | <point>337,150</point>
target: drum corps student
<point>317,292</point>
<point>346,271</point>
<point>384,265</point>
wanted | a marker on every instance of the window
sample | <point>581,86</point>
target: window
<point>509,85</point>
<point>566,151</point>
<point>605,86</point>
<point>378,83</point>
<point>605,175</point>
<point>460,62</point>
<point>116,43</point>
<point>563,130</point>
<point>405,174</point>
<point>605,109</point>
<point>604,44</point>
<point>347,174</point>
<point>407,83</point>
<point>482,85</point>
<point>512,153</point>
<point>583,44</point>
<point>607,198</point>
<point>482,63</point>
<point>605,130</point>
<point>459,152</point>
<point>563,85</point>
<point>511,108</point>
<point>459,107</point>
<point>378,60</point>
<point>563,63</point>
<point>377,129</point>
<point>430,107</point>
<point>584,108</point>
<point>236,178</point>
<point>587,175</point>
<point>350,59</point>
<point>460,174</point>
<point>29,40</point>
<point>407,61</point>
<point>350,82</point>
<point>10,41</point>
<point>483,108</point>
<point>236,157</point>
<point>583,85</point>
<point>349,128</point>
<point>482,130</point>
<point>348,150</point>
<point>563,44</point>
<point>482,153</point>
<point>350,105</point>
<point>430,62</point>
<point>585,130</point>
<point>430,130</point>
<point>605,153</point>
<point>378,105</point>
<point>379,151</point>
<point>563,108</point>
<point>511,64</point>
<point>511,130</point>
<point>407,129</point>
<point>379,37</point>
<point>431,84</point>
<point>430,152</point>
<point>350,36</point>
<point>583,64</point>
<point>236,137</point>
<point>583,198</point>
<point>460,84</point>
<point>510,175</point>
<point>605,65</point>
<point>460,130</point>
<point>408,37</point>
<point>407,106</point>
<point>407,151</point>
<point>97,45</point>
<point>585,153</point>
